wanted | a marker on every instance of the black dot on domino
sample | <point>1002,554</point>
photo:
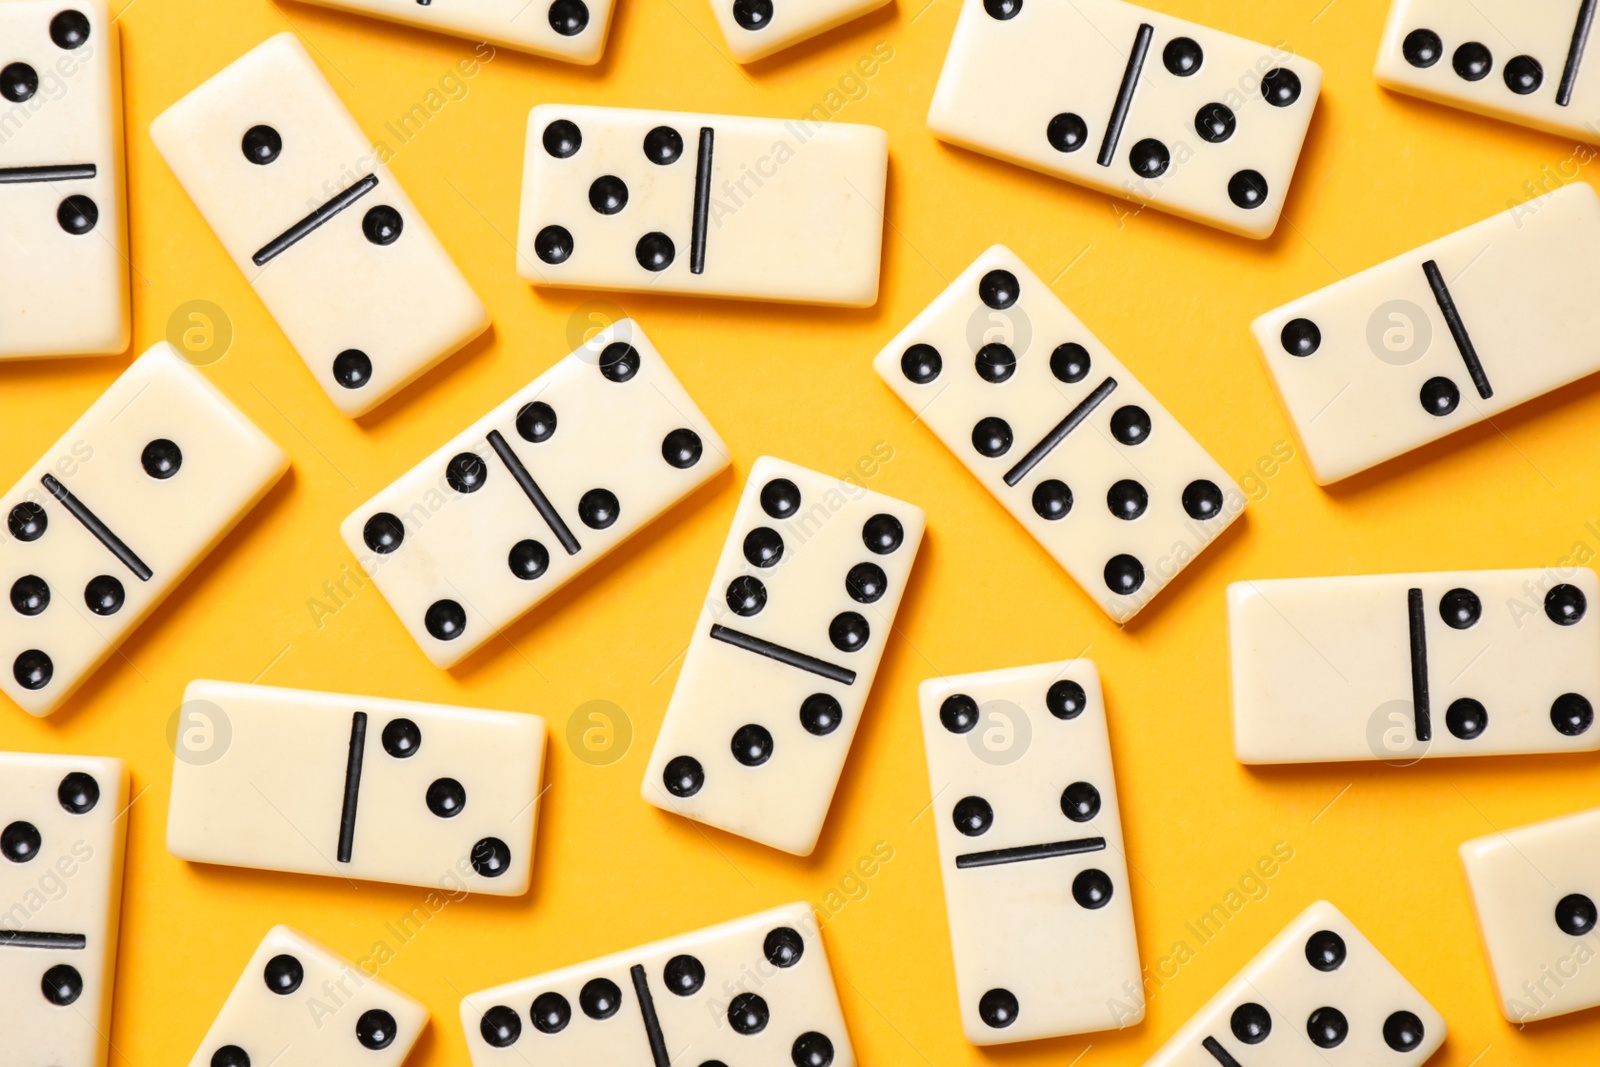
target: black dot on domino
<point>27,521</point>
<point>104,595</point>
<point>1149,158</point>
<point>352,368</point>
<point>998,289</point>
<point>1092,889</point>
<point>30,594</point>
<point>683,975</point>
<point>1472,61</point>
<point>18,82</point>
<point>1080,802</point>
<point>991,436</point>
<point>1300,338</point>
<point>1571,714</point>
<point>536,422</point>
<point>958,713</point>
<point>1327,1027</point>
<point>1127,499</point>
<point>1052,499</point>
<point>1422,48</point>
<point>746,596</point>
<point>70,29</point>
<point>783,947</point>
<point>33,669</point>
<point>1576,915</point>
<point>1130,425</point>
<point>383,533</point>
<point>1182,56</point>
<point>1247,189</point>
<point>1524,75</point>
<point>780,498</point>
<point>402,738</point>
<point>553,244</point>
<point>551,1012</point>
<point>1565,605</point>
<point>921,364</point>
<point>569,17</point>
<point>1215,123</point>
<point>998,1008</point>
<point>608,194</point>
<point>375,1029</point>
<point>78,793</point>
<point>619,361</point>
<point>466,472</point>
<point>752,14</point>
<point>1067,132</point>
<point>261,144</point>
<point>1460,609</point>
<point>1002,10</point>
<point>882,534</point>
<point>1124,574</point>
<point>1326,951</point>
<point>491,857</point>
<point>849,631</point>
<point>973,816</point>
<point>599,508</point>
<point>161,459</point>
<point>562,139</point>
<point>1402,1031</point>
<point>810,1049</point>
<point>20,842</point>
<point>1466,719</point>
<point>230,1056</point>
<point>866,583</point>
<point>283,974</point>
<point>682,448</point>
<point>683,776</point>
<point>820,714</point>
<point>1280,87</point>
<point>996,362</point>
<point>1070,362</point>
<point>77,214</point>
<point>501,1026</point>
<point>446,798</point>
<point>655,252</point>
<point>1251,1023</point>
<point>381,225</point>
<point>1202,499</point>
<point>663,146</point>
<point>1439,396</point>
<point>61,985</point>
<point>528,559</point>
<point>1065,699</point>
<point>748,1014</point>
<point>446,620</point>
<point>763,547</point>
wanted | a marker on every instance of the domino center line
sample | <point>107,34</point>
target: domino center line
<point>1580,44</point>
<point>652,1022</point>
<point>1419,665</point>
<point>702,202</point>
<point>1218,1053</point>
<point>102,533</point>
<point>1073,420</point>
<point>302,229</point>
<point>1024,853</point>
<point>1130,82</point>
<point>541,503</point>
<point>1458,329</point>
<point>787,656</point>
<point>352,785</point>
<point>65,172</point>
<point>38,939</point>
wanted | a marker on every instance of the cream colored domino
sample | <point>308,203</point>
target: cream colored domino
<point>1531,64</point>
<point>755,29</point>
<point>1534,891</point>
<point>356,786</point>
<point>64,234</point>
<point>755,992</point>
<point>114,515</point>
<point>1442,337</point>
<point>1030,847</point>
<point>710,205</point>
<point>783,655</point>
<point>1131,102</point>
<point>63,831</point>
<point>571,30</point>
<point>530,495</point>
<point>299,1005</point>
<point>1401,666</point>
<point>1320,993</point>
<point>1054,425</point>
<point>330,242</point>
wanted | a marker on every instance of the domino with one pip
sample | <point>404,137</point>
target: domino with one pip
<point>755,29</point>
<point>570,30</point>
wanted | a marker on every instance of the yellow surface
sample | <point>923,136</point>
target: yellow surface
<point>1381,173</point>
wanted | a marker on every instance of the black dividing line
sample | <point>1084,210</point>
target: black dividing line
<point>702,202</point>
<point>541,502</point>
<point>652,1024</point>
<point>101,531</point>
<point>352,785</point>
<point>1074,418</point>
<point>1220,1054</point>
<point>300,230</point>
<point>1023,853</point>
<point>783,655</point>
<point>1419,665</point>
<point>1580,43</point>
<point>65,173</point>
<point>1458,329</point>
<point>1130,82</point>
<point>32,939</point>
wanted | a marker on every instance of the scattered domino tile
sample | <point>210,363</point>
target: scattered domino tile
<point>1131,102</point>
<point>1401,666</point>
<point>63,819</point>
<point>755,992</point>
<point>368,297</point>
<point>299,1005</point>
<point>359,787</point>
<point>1030,846</point>
<point>64,238</point>
<point>1524,63</point>
<point>783,655</point>
<point>710,205</point>
<point>530,495</point>
<point>757,28</point>
<point>1319,994</point>
<point>1534,891</point>
<point>114,515</point>
<point>1055,426</point>
<point>1438,338</point>
<point>571,30</point>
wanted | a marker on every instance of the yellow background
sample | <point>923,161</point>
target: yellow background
<point>1380,174</point>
